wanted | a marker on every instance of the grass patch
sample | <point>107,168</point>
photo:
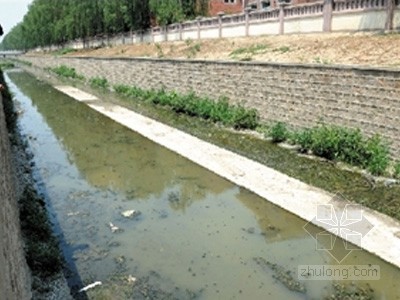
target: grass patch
<point>190,104</point>
<point>160,53</point>
<point>64,51</point>
<point>193,49</point>
<point>282,49</point>
<point>67,72</point>
<point>99,82</point>
<point>246,53</point>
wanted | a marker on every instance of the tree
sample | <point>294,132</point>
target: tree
<point>50,22</point>
<point>167,11</point>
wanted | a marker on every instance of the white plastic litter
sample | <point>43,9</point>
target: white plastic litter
<point>90,286</point>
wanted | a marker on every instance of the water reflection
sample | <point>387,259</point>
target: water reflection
<point>109,156</point>
<point>197,235</point>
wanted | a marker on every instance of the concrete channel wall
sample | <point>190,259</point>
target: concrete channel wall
<point>14,275</point>
<point>300,95</point>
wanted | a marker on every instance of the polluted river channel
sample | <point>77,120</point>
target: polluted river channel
<point>192,235</point>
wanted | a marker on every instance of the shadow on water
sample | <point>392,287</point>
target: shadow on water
<point>70,270</point>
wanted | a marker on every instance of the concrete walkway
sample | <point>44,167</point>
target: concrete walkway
<point>381,234</point>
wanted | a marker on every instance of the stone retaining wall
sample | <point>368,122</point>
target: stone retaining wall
<point>14,275</point>
<point>300,95</point>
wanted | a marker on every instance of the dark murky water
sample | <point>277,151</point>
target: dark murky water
<point>197,235</point>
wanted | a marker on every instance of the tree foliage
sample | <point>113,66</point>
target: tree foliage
<point>50,22</point>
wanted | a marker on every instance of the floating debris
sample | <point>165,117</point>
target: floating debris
<point>131,279</point>
<point>90,286</point>
<point>114,228</point>
<point>70,214</point>
<point>130,213</point>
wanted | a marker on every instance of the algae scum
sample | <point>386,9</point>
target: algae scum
<point>192,234</point>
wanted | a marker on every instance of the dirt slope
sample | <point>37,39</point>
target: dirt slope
<point>371,49</point>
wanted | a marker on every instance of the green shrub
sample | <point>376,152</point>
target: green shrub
<point>279,132</point>
<point>351,147</point>
<point>377,153</point>
<point>99,82</point>
<point>67,72</point>
<point>304,138</point>
<point>243,118</point>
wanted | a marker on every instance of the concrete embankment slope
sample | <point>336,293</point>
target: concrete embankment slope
<point>15,282</point>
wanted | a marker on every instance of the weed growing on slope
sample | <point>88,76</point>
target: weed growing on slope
<point>99,82</point>
<point>246,53</point>
<point>64,51</point>
<point>67,72</point>
<point>160,52</point>
<point>282,49</point>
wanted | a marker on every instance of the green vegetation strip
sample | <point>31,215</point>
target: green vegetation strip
<point>337,143</point>
<point>190,104</point>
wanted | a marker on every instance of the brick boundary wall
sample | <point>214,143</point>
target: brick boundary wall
<point>300,95</point>
<point>14,275</point>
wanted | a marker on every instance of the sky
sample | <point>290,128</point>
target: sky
<point>12,12</point>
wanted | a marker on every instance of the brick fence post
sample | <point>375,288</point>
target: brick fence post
<point>389,14</point>
<point>247,11</point>
<point>198,27</point>
<point>165,28</point>
<point>220,15</point>
<point>327,15</point>
<point>282,17</point>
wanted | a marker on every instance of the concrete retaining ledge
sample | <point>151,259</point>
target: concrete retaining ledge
<point>383,232</point>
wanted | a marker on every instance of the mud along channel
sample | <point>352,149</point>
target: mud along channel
<point>147,223</point>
